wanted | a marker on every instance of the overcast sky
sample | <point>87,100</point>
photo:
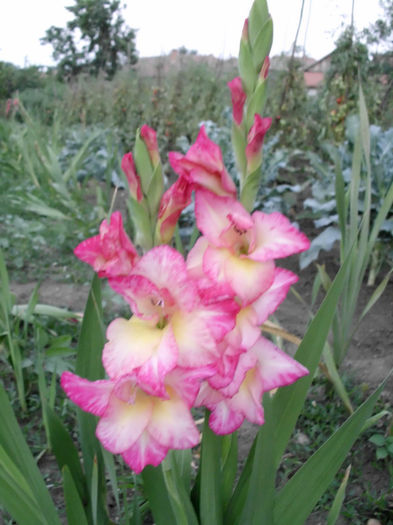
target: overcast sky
<point>208,26</point>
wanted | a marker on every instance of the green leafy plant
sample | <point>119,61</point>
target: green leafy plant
<point>383,444</point>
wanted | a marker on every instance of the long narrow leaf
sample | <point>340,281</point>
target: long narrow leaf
<point>65,451</point>
<point>16,495</point>
<point>156,492</point>
<point>288,401</point>
<point>334,512</point>
<point>259,505</point>
<point>74,507</point>
<point>178,493</point>
<point>211,511</point>
<point>89,365</point>
<point>229,466</point>
<point>296,500</point>
<point>14,445</point>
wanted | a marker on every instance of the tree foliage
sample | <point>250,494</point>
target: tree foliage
<point>95,40</point>
<point>14,78</point>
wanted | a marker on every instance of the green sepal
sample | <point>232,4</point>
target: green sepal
<point>250,188</point>
<point>263,44</point>
<point>143,163</point>
<point>141,222</point>
<point>246,67</point>
<point>155,191</point>
<point>256,102</point>
<point>258,16</point>
<point>239,147</point>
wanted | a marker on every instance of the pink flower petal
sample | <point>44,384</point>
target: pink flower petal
<point>146,300</point>
<point>269,301</point>
<point>196,343</point>
<point>247,361</point>
<point>276,368</point>
<point>123,423</point>
<point>275,237</point>
<point>91,396</point>
<point>136,343</point>
<point>145,451</point>
<point>224,420</point>
<point>255,139</point>
<point>173,202</point>
<point>111,253</point>
<point>185,382</point>
<point>222,220</point>
<point>229,413</point>
<point>203,166</point>
<point>247,328</point>
<point>172,424</point>
<point>247,278</point>
<point>153,372</point>
<point>166,269</point>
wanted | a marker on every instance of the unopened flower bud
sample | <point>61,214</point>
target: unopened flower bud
<point>255,140</point>
<point>238,99</point>
<point>150,139</point>
<point>134,183</point>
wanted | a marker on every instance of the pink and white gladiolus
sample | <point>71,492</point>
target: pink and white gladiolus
<point>134,423</point>
<point>194,338</point>
<point>262,368</point>
<point>237,250</point>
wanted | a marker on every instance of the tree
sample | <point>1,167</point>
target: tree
<point>95,40</point>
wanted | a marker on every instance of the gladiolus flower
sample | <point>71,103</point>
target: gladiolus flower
<point>173,202</point>
<point>203,166</point>
<point>238,249</point>
<point>149,137</point>
<point>263,368</point>
<point>111,252</point>
<point>134,182</point>
<point>255,140</point>
<point>238,99</point>
<point>139,426</point>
